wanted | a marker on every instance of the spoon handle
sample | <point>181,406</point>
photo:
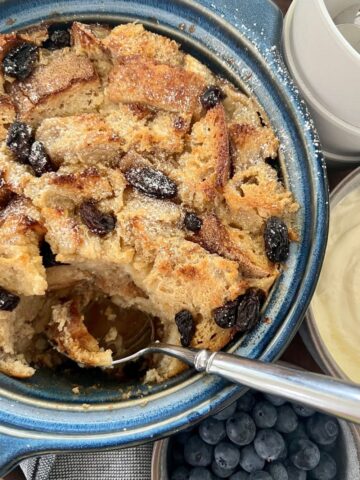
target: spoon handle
<point>323,393</point>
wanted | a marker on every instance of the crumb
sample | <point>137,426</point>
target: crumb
<point>111,335</point>
<point>76,390</point>
<point>85,406</point>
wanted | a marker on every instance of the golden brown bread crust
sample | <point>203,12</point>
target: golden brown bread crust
<point>115,100</point>
<point>139,80</point>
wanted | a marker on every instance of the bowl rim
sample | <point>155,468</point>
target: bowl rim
<point>63,426</point>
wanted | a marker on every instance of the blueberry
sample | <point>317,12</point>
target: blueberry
<point>322,429</point>
<point>239,476</point>
<point>200,473</point>
<point>276,401</point>
<point>246,402</point>
<point>287,420</point>
<point>226,455</point>
<point>299,432</point>
<point>260,476</point>
<point>295,474</point>
<point>302,411</point>
<point>304,454</point>
<point>269,444</point>
<point>241,429</point>
<point>264,414</point>
<point>226,413</point>
<point>250,460</point>
<point>277,470</point>
<point>197,453</point>
<point>329,448</point>
<point>183,437</point>
<point>326,468</point>
<point>221,472</point>
<point>180,473</point>
<point>177,453</point>
<point>212,431</point>
<point>283,455</point>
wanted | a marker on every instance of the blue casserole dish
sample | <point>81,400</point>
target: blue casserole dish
<point>240,39</point>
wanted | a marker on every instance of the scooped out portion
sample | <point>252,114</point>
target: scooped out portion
<point>134,184</point>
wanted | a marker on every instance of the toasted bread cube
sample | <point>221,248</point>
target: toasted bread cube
<point>47,94</point>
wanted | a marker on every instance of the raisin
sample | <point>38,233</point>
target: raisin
<point>248,310</point>
<point>8,301</point>
<point>19,139</point>
<point>40,160</point>
<point>19,62</point>
<point>211,97</point>
<point>48,256</point>
<point>186,326</point>
<point>97,222</point>
<point>192,222</point>
<point>151,182</point>
<point>276,238</point>
<point>58,39</point>
<point>225,316</point>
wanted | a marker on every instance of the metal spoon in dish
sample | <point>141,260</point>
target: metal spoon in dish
<point>321,392</point>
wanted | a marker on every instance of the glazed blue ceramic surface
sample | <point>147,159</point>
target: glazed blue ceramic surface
<point>240,39</point>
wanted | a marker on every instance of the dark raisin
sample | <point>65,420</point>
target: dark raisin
<point>19,62</point>
<point>276,238</point>
<point>40,160</point>
<point>151,182</point>
<point>19,139</point>
<point>48,256</point>
<point>96,221</point>
<point>248,310</point>
<point>192,222</point>
<point>8,301</point>
<point>211,97</point>
<point>186,326</point>
<point>58,39</point>
<point>225,316</point>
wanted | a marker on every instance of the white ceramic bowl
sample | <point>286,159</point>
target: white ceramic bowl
<point>330,66</point>
<point>340,140</point>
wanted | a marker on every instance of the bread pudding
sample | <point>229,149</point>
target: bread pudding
<point>135,182</point>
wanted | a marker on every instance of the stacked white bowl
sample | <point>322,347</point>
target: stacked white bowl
<point>326,67</point>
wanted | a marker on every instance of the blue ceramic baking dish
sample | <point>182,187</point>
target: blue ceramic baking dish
<point>240,39</point>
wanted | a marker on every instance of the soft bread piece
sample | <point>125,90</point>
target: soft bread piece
<point>71,337</point>
<point>131,39</point>
<point>204,169</point>
<point>139,80</point>
<point>7,115</point>
<point>47,94</point>
<point>21,269</point>
<point>16,336</point>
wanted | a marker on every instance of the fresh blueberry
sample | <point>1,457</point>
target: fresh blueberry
<point>226,455</point>
<point>302,411</point>
<point>295,474</point>
<point>277,470</point>
<point>304,454</point>
<point>197,453</point>
<point>183,437</point>
<point>269,444</point>
<point>241,429</point>
<point>239,476</point>
<point>250,460</point>
<point>283,454</point>
<point>200,473</point>
<point>287,420</point>
<point>264,414</point>
<point>326,469</point>
<point>322,429</point>
<point>260,476</point>
<point>212,431</point>
<point>177,452</point>
<point>299,432</point>
<point>276,401</point>
<point>221,472</point>
<point>226,413</point>
<point>246,402</point>
<point>180,473</point>
<point>329,448</point>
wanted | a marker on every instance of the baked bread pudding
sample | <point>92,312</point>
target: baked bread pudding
<point>133,182</point>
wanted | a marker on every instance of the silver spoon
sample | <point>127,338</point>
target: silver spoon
<point>323,393</point>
